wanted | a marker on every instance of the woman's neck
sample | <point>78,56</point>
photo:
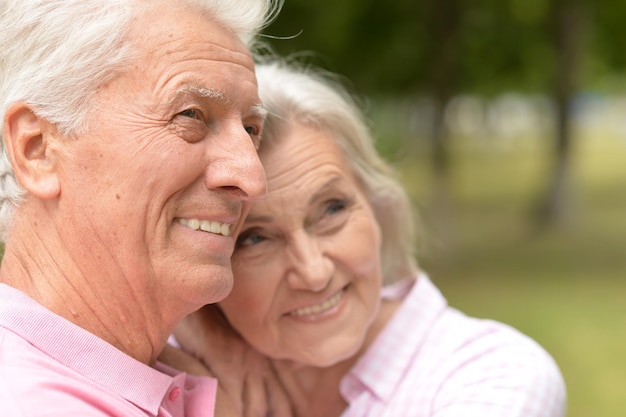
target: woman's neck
<point>314,391</point>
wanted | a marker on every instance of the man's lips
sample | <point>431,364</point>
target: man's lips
<point>209,226</point>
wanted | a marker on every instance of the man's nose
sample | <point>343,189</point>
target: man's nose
<point>234,165</point>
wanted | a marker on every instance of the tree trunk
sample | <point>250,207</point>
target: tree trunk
<point>443,73</point>
<point>555,207</point>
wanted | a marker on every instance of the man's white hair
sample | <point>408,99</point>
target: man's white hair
<point>55,54</point>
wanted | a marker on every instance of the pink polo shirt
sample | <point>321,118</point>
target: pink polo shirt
<point>51,367</point>
<point>433,361</point>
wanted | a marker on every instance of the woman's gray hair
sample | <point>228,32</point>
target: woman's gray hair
<point>56,53</point>
<point>292,94</point>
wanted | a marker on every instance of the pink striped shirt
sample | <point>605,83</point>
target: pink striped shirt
<point>51,367</point>
<point>433,361</point>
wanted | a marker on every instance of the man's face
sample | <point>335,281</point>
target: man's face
<point>170,150</point>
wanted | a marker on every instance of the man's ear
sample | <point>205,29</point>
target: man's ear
<point>27,139</point>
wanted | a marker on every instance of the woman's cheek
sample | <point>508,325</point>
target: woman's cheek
<point>251,298</point>
<point>364,250</point>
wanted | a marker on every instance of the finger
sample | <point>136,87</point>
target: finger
<point>278,401</point>
<point>234,386</point>
<point>225,406</point>
<point>254,397</point>
<point>206,334</point>
<point>180,360</point>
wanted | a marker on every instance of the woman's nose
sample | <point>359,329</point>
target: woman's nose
<point>311,268</point>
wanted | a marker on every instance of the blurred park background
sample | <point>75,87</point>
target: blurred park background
<point>506,120</point>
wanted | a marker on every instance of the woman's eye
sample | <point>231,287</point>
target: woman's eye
<point>249,239</point>
<point>335,206</point>
<point>333,214</point>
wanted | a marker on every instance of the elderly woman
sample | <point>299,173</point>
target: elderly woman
<point>326,285</point>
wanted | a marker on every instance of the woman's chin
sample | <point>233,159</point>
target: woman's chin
<point>322,359</point>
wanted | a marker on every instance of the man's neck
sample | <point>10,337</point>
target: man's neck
<point>104,306</point>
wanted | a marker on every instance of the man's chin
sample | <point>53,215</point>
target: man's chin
<point>219,285</point>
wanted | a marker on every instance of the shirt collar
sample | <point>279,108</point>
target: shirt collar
<point>400,340</point>
<point>83,351</point>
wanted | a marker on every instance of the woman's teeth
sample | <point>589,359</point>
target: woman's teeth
<point>319,308</point>
<point>206,226</point>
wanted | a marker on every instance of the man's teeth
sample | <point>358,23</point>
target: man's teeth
<point>318,308</point>
<point>206,226</point>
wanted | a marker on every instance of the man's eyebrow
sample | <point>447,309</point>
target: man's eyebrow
<point>203,92</point>
<point>218,97</point>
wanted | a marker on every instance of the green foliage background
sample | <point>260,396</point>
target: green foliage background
<point>386,47</point>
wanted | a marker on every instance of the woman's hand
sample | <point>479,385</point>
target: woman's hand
<point>246,379</point>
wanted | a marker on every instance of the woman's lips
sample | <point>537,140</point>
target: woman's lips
<point>320,308</point>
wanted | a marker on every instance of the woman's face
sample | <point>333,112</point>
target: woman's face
<point>307,262</point>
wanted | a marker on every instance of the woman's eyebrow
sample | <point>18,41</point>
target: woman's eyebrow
<point>325,188</point>
<point>328,185</point>
<point>259,218</point>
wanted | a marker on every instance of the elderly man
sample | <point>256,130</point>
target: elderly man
<point>128,162</point>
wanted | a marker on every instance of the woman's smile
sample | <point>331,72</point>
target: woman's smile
<point>320,310</point>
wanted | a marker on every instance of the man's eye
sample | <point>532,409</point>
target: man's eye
<point>191,113</point>
<point>255,134</point>
<point>252,130</point>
